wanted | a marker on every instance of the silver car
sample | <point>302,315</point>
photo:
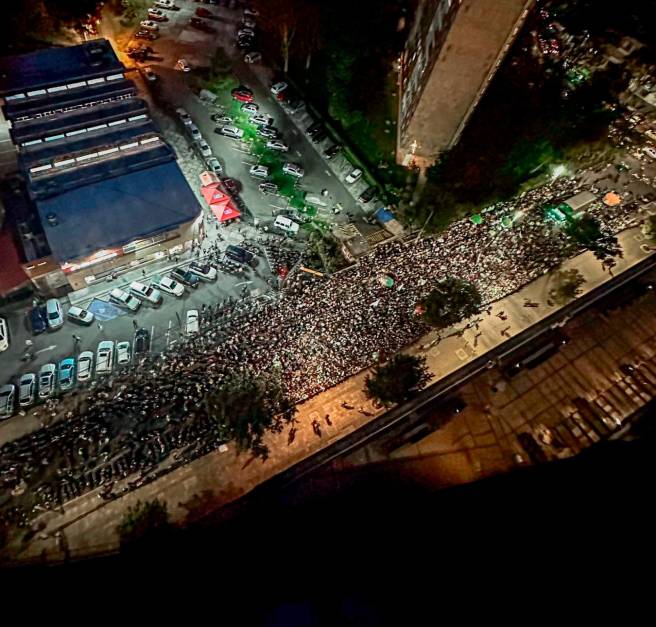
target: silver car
<point>7,399</point>
<point>84,366</point>
<point>27,389</point>
<point>47,380</point>
<point>54,314</point>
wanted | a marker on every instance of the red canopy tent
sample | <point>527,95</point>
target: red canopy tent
<point>220,202</point>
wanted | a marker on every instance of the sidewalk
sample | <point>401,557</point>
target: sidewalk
<point>221,477</point>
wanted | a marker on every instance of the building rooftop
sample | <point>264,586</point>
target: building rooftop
<point>52,66</point>
<point>111,213</point>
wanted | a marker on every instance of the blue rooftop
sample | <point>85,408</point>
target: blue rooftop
<point>53,66</point>
<point>116,211</point>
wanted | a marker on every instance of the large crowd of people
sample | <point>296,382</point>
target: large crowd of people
<point>316,332</point>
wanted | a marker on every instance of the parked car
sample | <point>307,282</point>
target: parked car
<point>165,4</point>
<point>66,373</point>
<point>332,151</point>
<point>105,357</point>
<point>261,119</point>
<point>252,57</point>
<point>194,131</point>
<point>182,66</point>
<point>201,25</point>
<point>368,194</point>
<point>145,292</point>
<point>47,380</point>
<point>204,149</point>
<point>7,400</point>
<point>250,108</point>
<point>232,131</point>
<point>293,169</point>
<point>85,366</point>
<point>314,129</point>
<point>149,75</point>
<point>276,144</point>
<point>27,389</point>
<point>149,25</point>
<point>145,34</point>
<point>243,94</point>
<point>245,42</point>
<point>220,118</point>
<point>168,285</point>
<point>278,88</point>
<point>295,106</point>
<point>79,315</point>
<point>319,137</point>
<point>141,342</point>
<point>259,171</point>
<point>268,132</point>
<point>245,32</point>
<point>206,272</point>
<point>184,117</point>
<point>54,314</point>
<point>203,12</point>
<point>157,15</point>
<point>650,152</point>
<point>123,356</point>
<point>231,185</point>
<point>123,299</point>
<point>353,176</point>
<point>185,277</point>
<point>192,322</point>
<point>214,165</point>
<point>247,22</point>
<point>4,335</point>
<point>250,13</point>
<point>38,319</point>
<point>268,188</point>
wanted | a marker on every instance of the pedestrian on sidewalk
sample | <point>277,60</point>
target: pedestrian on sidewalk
<point>100,327</point>
<point>143,271</point>
<point>76,338</point>
<point>134,324</point>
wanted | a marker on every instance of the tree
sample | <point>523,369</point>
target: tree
<point>567,287</point>
<point>245,407</point>
<point>587,231</point>
<point>145,520</point>
<point>398,379</point>
<point>450,302</point>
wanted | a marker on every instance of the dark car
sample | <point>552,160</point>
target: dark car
<point>332,151</point>
<point>199,24</point>
<point>185,277</point>
<point>231,185</point>
<point>141,342</point>
<point>319,137</point>
<point>295,106</point>
<point>203,12</point>
<point>245,42</point>
<point>315,128</point>
<point>238,254</point>
<point>367,194</point>
<point>38,319</point>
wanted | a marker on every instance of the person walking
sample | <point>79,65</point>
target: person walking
<point>134,324</point>
<point>100,327</point>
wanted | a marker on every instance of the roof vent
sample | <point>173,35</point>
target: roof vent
<point>96,54</point>
<point>52,219</point>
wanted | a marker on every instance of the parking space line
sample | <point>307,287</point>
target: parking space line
<point>328,172</point>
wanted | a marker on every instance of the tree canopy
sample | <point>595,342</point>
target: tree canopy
<point>245,407</point>
<point>451,301</point>
<point>567,286</point>
<point>587,232</point>
<point>398,379</point>
<point>145,520</point>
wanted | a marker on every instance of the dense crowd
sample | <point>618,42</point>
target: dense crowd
<point>315,333</point>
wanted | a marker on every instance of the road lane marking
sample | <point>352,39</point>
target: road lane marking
<point>44,350</point>
<point>298,152</point>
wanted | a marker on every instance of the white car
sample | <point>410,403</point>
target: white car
<point>252,57</point>
<point>47,380</point>
<point>268,188</point>
<point>261,119</point>
<point>145,292</point>
<point>192,322</point>
<point>54,314</point>
<point>278,88</point>
<point>168,285</point>
<point>250,108</point>
<point>204,148</point>
<point>203,271</point>
<point>353,176</point>
<point>165,4</point>
<point>293,169</point>
<point>77,314</point>
<point>650,152</point>
<point>157,14</point>
<point>259,171</point>
<point>245,32</point>
<point>276,144</point>
<point>84,366</point>
<point>149,25</point>
<point>232,131</point>
<point>194,131</point>
<point>185,118</point>
<point>123,299</point>
<point>123,356</point>
<point>214,165</point>
<point>26,389</point>
<point>4,335</point>
<point>182,66</point>
<point>105,357</point>
<point>149,75</point>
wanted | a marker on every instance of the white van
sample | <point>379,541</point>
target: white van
<point>286,225</point>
